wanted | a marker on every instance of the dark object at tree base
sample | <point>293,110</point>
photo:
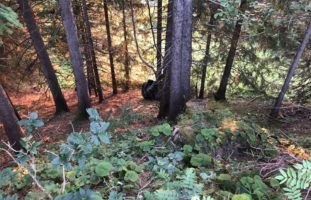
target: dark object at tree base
<point>219,98</point>
<point>149,90</point>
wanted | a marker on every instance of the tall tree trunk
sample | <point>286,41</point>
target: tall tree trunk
<point>15,111</point>
<point>45,62</point>
<point>91,50</point>
<point>165,84</point>
<point>70,27</point>
<point>186,56</point>
<point>3,63</point>
<point>113,75</point>
<point>276,109</point>
<point>77,11</point>
<point>159,38</point>
<point>221,93</point>
<point>181,58</point>
<point>9,120</point>
<point>206,56</point>
<point>89,66</point>
<point>127,59</point>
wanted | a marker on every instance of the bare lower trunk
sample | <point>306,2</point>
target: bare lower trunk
<point>127,59</point>
<point>45,62</point>
<point>159,38</point>
<point>221,93</point>
<point>206,56</point>
<point>70,27</point>
<point>181,58</point>
<point>276,109</point>
<point>113,75</point>
<point>91,50</point>
<point>165,85</point>
<point>9,120</point>
<point>186,56</point>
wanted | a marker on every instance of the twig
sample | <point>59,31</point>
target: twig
<point>306,198</point>
<point>33,176</point>
<point>64,180</point>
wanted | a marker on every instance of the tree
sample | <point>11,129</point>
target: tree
<point>206,56</point>
<point>276,109</point>
<point>165,85</point>
<point>110,50</point>
<point>70,27</point>
<point>178,73</point>
<point>91,50</point>
<point>45,62</point>
<point>159,38</point>
<point>10,120</point>
<point>127,58</point>
<point>221,93</point>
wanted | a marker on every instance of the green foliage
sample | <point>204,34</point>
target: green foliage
<point>187,149</point>
<point>254,186</point>
<point>212,136</point>
<point>8,21</point>
<point>201,160</point>
<point>146,145</point>
<point>241,197</point>
<point>126,117</point>
<point>124,162</point>
<point>295,179</point>
<point>165,129</point>
<point>185,188</point>
<point>113,195</point>
<point>131,176</point>
<point>14,197</point>
<point>103,168</point>
<point>32,123</point>
<point>168,164</point>
<point>86,194</point>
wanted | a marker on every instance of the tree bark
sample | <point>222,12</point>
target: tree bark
<point>113,75</point>
<point>181,58</point>
<point>276,109</point>
<point>45,62</point>
<point>127,59</point>
<point>9,120</point>
<point>176,96</point>
<point>165,84</point>
<point>186,56</point>
<point>159,38</point>
<point>221,93</point>
<point>3,63</point>
<point>92,51</point>
<point>70,27</point>
<point>206,56</point>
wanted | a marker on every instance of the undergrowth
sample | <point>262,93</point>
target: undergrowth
<point>207,155</point>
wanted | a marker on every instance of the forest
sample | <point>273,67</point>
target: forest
<point>155,99</point>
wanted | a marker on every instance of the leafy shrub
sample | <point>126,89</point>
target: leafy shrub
<point>186,188</point>
<point>165,129</point>
<point>103,168</point>
<point>201,160</point>
<point>296,179</point>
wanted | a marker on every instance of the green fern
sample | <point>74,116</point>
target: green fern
<point>8,20</point>
<point>186,188</point>
<point>295,179</point>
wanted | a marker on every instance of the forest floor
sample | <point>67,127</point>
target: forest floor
<point>57,128</point>
<point>294,124</point>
